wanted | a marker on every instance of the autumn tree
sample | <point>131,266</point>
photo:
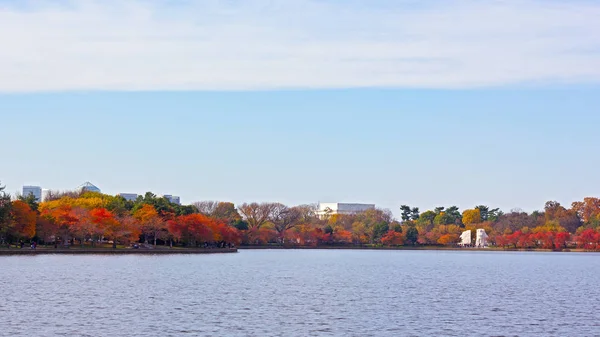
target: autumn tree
<point>125,229</point>
<point>83,227</point>
<point>392,238</point>
<point>448,239</point>
<point>151,222</point>
<point>256,214</point>
<point>24,219</point>
<point>103,220</point>
<point>194,228</point>
<point>376,221</point>
<point>471,216</point>
<point>359,233</point>
<point>516,220</point>
<point>46,228</point>
<point>588,210</point>
<point>284,218</point>
<point>308,213</point>
<point>567,218</point>
<point>64,218</point>
<point>31,200</point>
<point>207,208</point>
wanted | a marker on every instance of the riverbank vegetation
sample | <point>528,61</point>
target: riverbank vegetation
<point>88,219</point>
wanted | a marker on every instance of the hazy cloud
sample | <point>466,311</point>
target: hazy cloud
<point>267,44</point>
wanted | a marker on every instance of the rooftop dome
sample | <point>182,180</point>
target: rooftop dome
<point>87,186</point>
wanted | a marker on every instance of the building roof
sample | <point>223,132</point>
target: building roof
<point>88,186</point>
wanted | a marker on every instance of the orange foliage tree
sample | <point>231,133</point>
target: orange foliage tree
<point>393,238</point>
<point>151,222</point>
<point>24,219</point>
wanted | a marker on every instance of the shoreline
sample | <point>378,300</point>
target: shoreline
<point>112,251</point>
<point>574,250</point>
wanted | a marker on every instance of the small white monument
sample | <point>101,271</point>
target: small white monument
<point>481,240</point>
<point>465,238</point>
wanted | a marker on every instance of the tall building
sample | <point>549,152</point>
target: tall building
<point>89,187</point>
<point>172,198</point>
<point>128,196</point>
<point>330,208</point>
<point>36,191</point>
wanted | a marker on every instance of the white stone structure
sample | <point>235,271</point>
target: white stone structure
<point>36,191</point>
<point>481,240</point>
<point>330,208</point>
<point>465,238</point>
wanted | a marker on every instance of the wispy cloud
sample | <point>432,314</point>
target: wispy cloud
<point>270,44</point>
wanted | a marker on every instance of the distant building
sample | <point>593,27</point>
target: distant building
<point>89,187</point>
<point>331,208</point>
<point>172,198</point>
<point>128,196</point>
<point>45,194</point>
<point>36,191</point>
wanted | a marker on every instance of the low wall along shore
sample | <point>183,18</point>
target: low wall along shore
<point>109,251</point>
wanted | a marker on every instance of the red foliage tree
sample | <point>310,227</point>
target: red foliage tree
<point>392,238</point>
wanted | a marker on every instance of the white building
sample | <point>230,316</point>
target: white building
<point>45,194</point>
<point>89,187</point>
<point>330,208</point>
<point>128,196</point>
<point>36,191</point>
<point>172,198</point>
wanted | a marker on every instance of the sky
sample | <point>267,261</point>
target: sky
<point>425,103</point>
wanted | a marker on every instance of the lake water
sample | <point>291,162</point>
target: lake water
<point>302,293</point>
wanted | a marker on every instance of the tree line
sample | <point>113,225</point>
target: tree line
<point>88,218</point>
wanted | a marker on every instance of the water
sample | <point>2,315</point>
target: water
<point>302,293</point>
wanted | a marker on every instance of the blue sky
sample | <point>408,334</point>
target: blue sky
<point>421,102</point>
<point>504,147</point>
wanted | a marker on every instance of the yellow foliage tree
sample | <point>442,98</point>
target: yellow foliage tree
<point>471,216</point>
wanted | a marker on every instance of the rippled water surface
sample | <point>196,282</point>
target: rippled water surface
<point>302,293</point>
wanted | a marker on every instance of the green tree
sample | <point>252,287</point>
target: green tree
<point>5,218</point>
<point>328,229</point>
<point>427,218</point>
<point>30,200</point>
<point>453,215</point>
<point>406,212</point>
<point>488,214</point>
<point>379,230</point>
<point>443,219</point>
<point>409,213</point>
<point>414,213</point>
<point>241,225</point>
<point>412,235</point>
